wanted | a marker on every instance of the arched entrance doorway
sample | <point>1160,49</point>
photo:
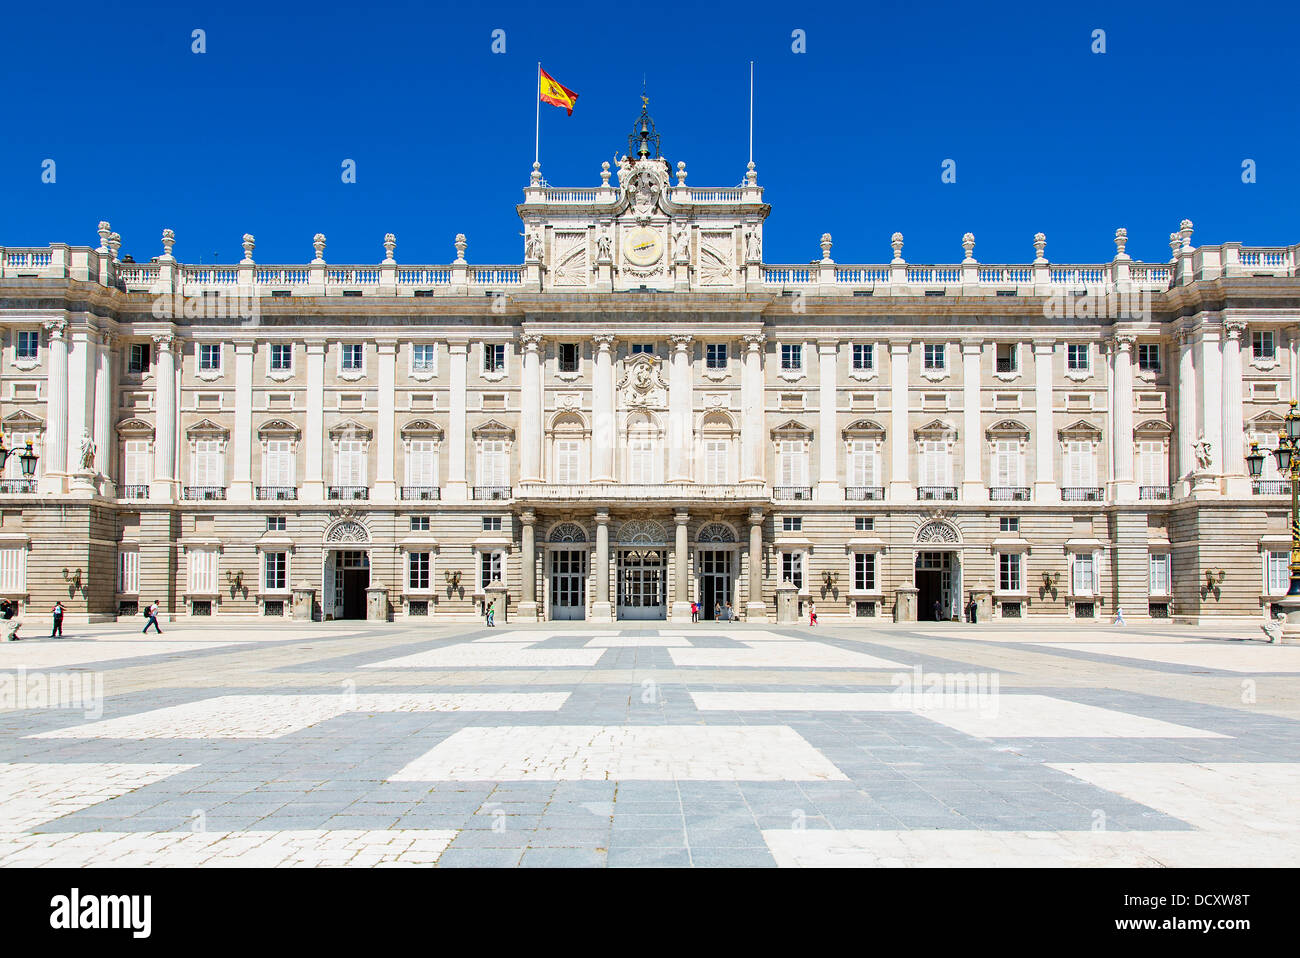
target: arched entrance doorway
<point>567,572</point>
<point>346,575</point>
<point>937,573</point>
<point>642,570</point>
<point>716,562</point>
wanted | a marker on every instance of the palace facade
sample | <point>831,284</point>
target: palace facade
<point>642,414</point>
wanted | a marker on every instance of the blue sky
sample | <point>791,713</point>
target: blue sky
<point>849,137</point>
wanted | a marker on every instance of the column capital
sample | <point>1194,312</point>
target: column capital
<point>56,328</point>
<point>602,517</point>
<point>827,346</point>
<point>900,347</point>
<point>528,517</point>
<point>1185,336</point>
<point>243,346</point>
<point>1123,342</point>
<point>386,347</point>
<point>681,342</point>
<point>457,347</point>
<point>1044,347</point>
<point>108,340</point>
<point>315,347</point>
<point>531,342</point>
<point>754,341</point>
<point>755,517</point>
<point>681,517</point>
<point>168,342</point>
<point>972,347</point>
<point>604,342</point>
<point>1234,329</point>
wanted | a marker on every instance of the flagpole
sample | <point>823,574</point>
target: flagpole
<point>751,111</point>
<point>537,136</point>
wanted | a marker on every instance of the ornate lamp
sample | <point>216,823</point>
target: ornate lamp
<point>27,459</point>
<point>1255,461</point>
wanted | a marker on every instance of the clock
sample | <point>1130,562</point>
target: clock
<point>643,247</point>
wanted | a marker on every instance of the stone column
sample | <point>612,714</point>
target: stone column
<point>900,486</point>
<point>241,485</point>
<point>56,404</point>
<point>163,486</point>
<point>313,484</point>
<point>753,462</point>
<point>756,608</point>
<point>385,446</point>
<point>530,431</point>
<point>681,611</point>
<point>601,610</point>
<point>103,429</point>
<point>457,488</point>
<point>681,435</point>
<point>527,611</point>
<point>1186,403</point>
<point>1210,386</point>
<point>972,457</point>
<point>1121,420</point>
<point>81,367</point>
<point>602,410</point>
<point>1235,482</point>
<point>1045,488</point>
<point>828,443</point>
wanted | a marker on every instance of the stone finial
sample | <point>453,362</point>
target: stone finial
<point>896,241</point>
<point>461,244</point>
<point>1040,245</point>
<point>318,241</point>
<point>535,179</point>
<point>968,244</point>
<point>390,244</point>
<point>1185,232</point>
<point>751,175</point>
<point>826,247</point>
<point>115,244</point>
<point>1121,240</point>
<point>681,172</point>
<point>1175,243</point>
<point>168,240</point>
<point>104,230</point>
<point>604,175</point>
<point>249,244</point>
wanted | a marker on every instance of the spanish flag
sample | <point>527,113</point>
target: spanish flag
<point>556,94</point>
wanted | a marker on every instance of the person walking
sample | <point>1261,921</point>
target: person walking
<point>695,612</point>
<point>729,613</point>
<point>938,611</point>
<point>812,614</point>
<point>57,627</point>
<point>491,613</point>
<point>9,609</point>
<point>1119,615</point>
<point>151,613</point>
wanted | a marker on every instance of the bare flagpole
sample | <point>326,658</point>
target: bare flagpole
<point>537,136</point>
<point>751,111</point>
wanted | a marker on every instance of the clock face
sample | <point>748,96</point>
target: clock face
<point>642,247</point>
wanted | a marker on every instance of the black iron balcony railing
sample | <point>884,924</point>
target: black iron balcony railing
<point>491,492</point>
<point>1270,487</point>
<point>1006,365</point>
<point>1155,492</point>
<point>204,493</point>
<point>421,492</point>
<point>348,492</point>
<point>792,493</point>
<point>17,485</point>
<point>1082,494</point>
<point>1009,494</point>
<point>135,492</point>
<point>864,493</point>
<point>277,492</point>
<point>930,493</point>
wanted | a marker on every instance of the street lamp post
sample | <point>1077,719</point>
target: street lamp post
<point>27,458</point>
<point>1288,465</point>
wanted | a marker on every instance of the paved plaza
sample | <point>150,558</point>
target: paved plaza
<point>715,744</point>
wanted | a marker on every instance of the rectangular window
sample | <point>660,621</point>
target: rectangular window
<point>493,463</point>
<point>640,461</point>
<point>421,463</point>
<point>277,466</point>
<point>791,356</point>
<point>792,523</point>
<point>792,568</point>
<point>1006,463</point>
<point>419,523</point>
<point>568,459</point>
<point>138,358</point>
<point>494,357</point>
<point>1262,345</point>
<point>275,524</point>
<point>861,464</point>
<point>793,465</point>
<point>1084,574</point>
<point>1007,358</point>
<point>864,523</point>
<point>353,357</point>
<point>715,356</point>
<point>136,460</point>
<point>1149,357</point>
<point>715,461</point>
<point>568,357</point>
<point>1278,573</point>
<point>281,357</point>
<point>422,358</point>
<point>209,463</point>
<point>1009,572</point>
<point>1158,583</point>
<point>864,357</point>
<point>491,523</point>
<point>1080,466</point>
<point>639,348</point>
<point>489,569</point>
<point>209,357</point>
<point>934,357</point>
<point>203,572</point>
<point>13,570</point>
<point>128,572</point>
<point>350,466</point>
<point>934,463</point>
<point>864,572</point>
<point>417,572</point>
<point>1151,463</point>
<point>1076,356</point>
<point>28,345</point>
<point>1009,524</point>
<point>277,571</point>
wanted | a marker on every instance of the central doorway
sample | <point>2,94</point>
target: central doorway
<point>346,579</point>
<point>938,586</point>
<point>715,582</point>
<point>642,587</point>
<point>568,584</point>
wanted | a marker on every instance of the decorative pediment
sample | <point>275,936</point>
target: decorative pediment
<point>864,429</point>
<point>347,530</point>
<point>1008,429</point>
<point>22,421</point>
<point>421,429</point>
<point>207,429</point>
<point>278,429</point>
<point>134,428</point>
<point>718,423</point>
<point>937,531</point>
<point>350,429</point>
<point>1266,422</point>
<point>1080,430</point>
<point>492,429</point>
<point>569,423</point>
<point>1153,429</point>
<point>792,429</point>
<point>936,429</point>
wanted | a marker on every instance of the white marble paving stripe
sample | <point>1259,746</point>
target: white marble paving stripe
<point>1230,798</point>
<point>1228,657</point>
<point>953,848</point>
<point>270,716</point>
<point>60,653</point>
<point>32,793</point>
<point>640,642</point>
<point>322,848</point>
<point>490,656</point>
<point>600,753</point>
<point>527,637</point>
<point>787,654</point>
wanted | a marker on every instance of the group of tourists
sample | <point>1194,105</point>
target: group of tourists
<point>721,612</point>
